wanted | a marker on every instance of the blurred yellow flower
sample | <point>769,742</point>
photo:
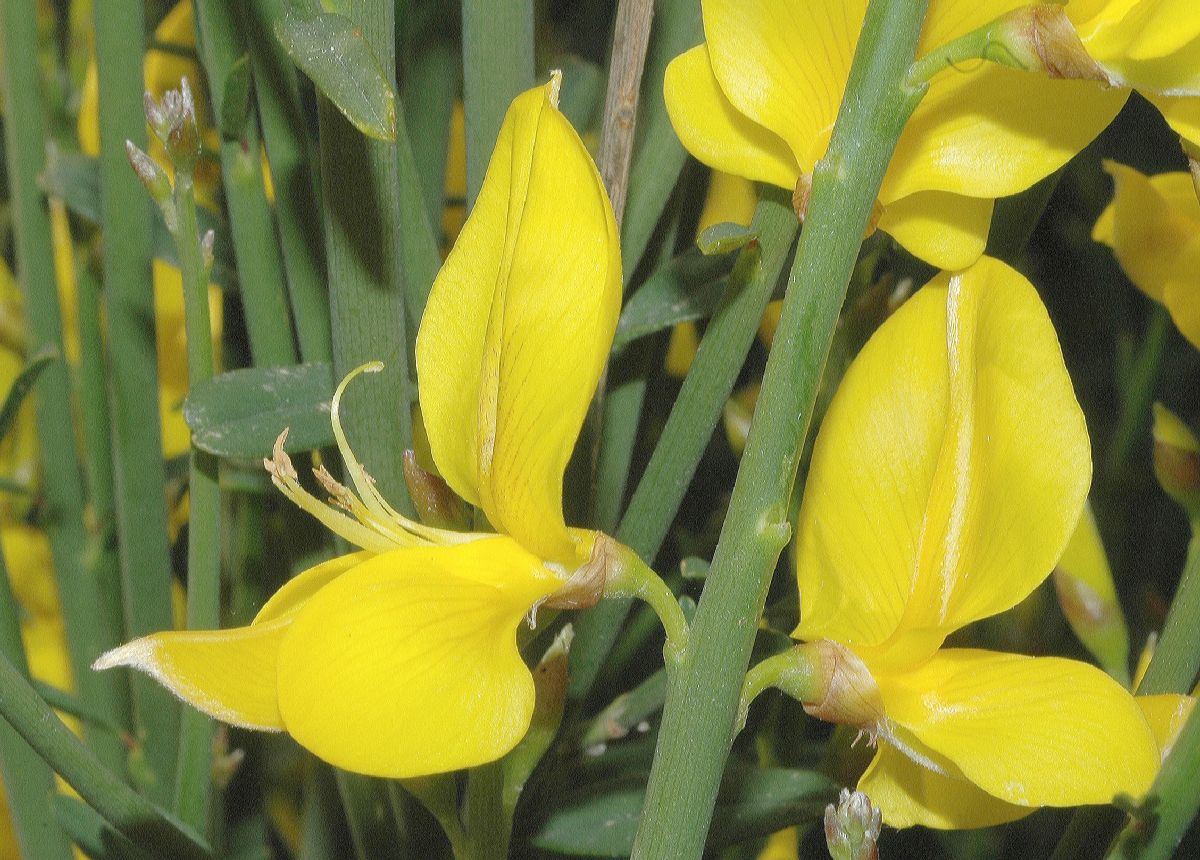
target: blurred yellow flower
<point>401,659</point>
<point>760,96</point>
<point>949,473</point>
<point>1153,227</point>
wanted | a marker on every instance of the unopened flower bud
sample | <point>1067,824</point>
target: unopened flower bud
<point>437,505</point>
<point>206,250</point>
<point>1177,459</point>
<point>155,179</point>
<point>845,691</point>
<point>550,684</point>
<point>852,827</point>
<point>173,121</point>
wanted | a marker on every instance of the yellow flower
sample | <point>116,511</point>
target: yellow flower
<point>947,478</point>
<point>401,659</point>
<point>760,96</point>
<point>1153,227</point>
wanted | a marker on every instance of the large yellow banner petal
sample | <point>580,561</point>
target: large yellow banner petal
<point>992,131</point>
<point>227,674</point>
<point>784,64</point>
<point>1034,731</point>
<point>519,324</point>
<point>715,132</point>
<point>909,794</point>
<point>408,665</point>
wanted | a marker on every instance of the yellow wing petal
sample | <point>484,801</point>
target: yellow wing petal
<point>519,324</point>
<point>712,129</point>
<point>1149,224</point>
<point>227,674</point>
<point>297,590</point>
<point>1035,731</point>
<point>908,795</point>
<point>1153,45</point>
<point>930,502</point>
<point>408,664</point>
<point>1182,114</point>
<point>784,64</point>
<point>946,230</point>
<point>992,131</point>
<point>1181,293</point>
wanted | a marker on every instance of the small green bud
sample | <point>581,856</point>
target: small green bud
<point>173,121</point>
<point>852,827</point>
<point>155,179</point>
<point>1177,459</point>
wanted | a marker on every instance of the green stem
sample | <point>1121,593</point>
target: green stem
<point>702,703</point>
<point>796,672</point>
<point>1177,655</point>
<point>34,255</point>
<point>497,41</point>
<point>1139,392</point>
<point>251,224</point>
<point>28,781</point>
<point>488,825</point>
<point>130,813</point>
<point>630,578</point>
<point>689,428</point>
<point>193,785</point>
<point>1172,803</point>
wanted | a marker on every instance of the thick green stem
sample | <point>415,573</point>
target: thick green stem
<point>690,426</point>
<point>497,37</point>
<point>702,704</point>
<point>1139,392</point>
<point>488,824</point>
<point>193,784</point>
<point>133,815</point>
<point>25,144</point>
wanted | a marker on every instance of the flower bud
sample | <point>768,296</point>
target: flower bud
<point>852,827</point>
<point>155,179</point>
<point>1177,459</point>
<point>846,691</point>
<point>550,684</point>
<point>173,121</point>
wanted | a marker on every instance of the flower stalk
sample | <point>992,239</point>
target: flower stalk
<point>702,704</point>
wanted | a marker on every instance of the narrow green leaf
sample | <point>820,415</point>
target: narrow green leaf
<point>601,820</point>
<point>22,385</point>
<point>235,106</point>
<point>241,413</point>
<point>689,287</point>
<point>331,50</point>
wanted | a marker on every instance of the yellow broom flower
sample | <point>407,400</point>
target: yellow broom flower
<point>401,659</point>
<point>947,478</point>
<point>1153,227</point>
<point>760,96</point>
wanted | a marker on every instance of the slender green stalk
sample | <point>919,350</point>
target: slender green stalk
<point>1139,392</point>
<point>363,246</point>
<point>619,429</point>
<point>130,813</point>
<point>25,155</point>
<point>1177,655</point>
<point>193,784</point>
<point>488,825</point>
<point>372,830</point>
<point>259,260</point>
<point>690,426</point>
<point>292,156</point>
<point>497,41</point>
<point>1175,802</point>
<point>428,90</point>
<point>702,703</point>
<point>28,781</point>
<point>418,242</point>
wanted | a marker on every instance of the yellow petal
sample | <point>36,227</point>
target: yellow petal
<point>941,491</point>
<point>992,131</point>
<point>297,590</point>
<point>228,674</point>
<point>408,664</point>
<point>1149,224</point>
<point>519,324</point>
<point>1181,293</point>
<point>946,230</point>
<point>946,20</point>
<point>1166,714</point>
<point>712,129</point>
<point>1182,114</point>
<point>1035,731</point>
<point>729,199</point>
<point>908,795</point>
<point>784,64</point>
<point>1084,582</point>
<point>681,349</point>
<point>1153,45</point>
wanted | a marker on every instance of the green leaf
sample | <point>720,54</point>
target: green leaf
<point>331,50</point>
<point>602,819</point>
<point>74,178</point>
<point>22,385</point>
<point>687,288</point>
<point>725,237</point>
<point>235,105</point>
<point>241,413</point>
